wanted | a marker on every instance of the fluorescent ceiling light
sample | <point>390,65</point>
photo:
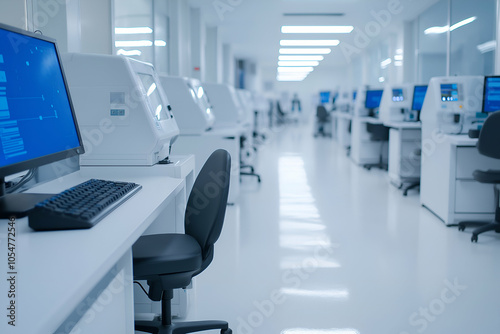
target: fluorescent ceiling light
<point>133,30</point>
<point>318,51</point>
<point>299,58</point>
<point>133,44</point>
<point>310,42</point>
<point>381,79</point>
<point>316,29</point>
<point>159,42</point>
<point>296,69</point>
<point>298,63</point>
<point>385,63</point>
<point>443,29</point>
<point>487,47</point>
<point>129,53</point>
<point>290,79</point>
<point>398,57</point>
<point>398,63</point>
<point>462,23</point>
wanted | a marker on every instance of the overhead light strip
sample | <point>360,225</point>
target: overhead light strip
<point>299,58</point>
<point>310,51</point>
<point>310,42</point>
<point>443,29</point>
<point>317,29</point>
<point>298,63</point>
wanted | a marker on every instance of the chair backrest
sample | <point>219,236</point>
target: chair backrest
<point>322,114</point>
<point>206,206</point>
<point>488,143</point>
<point>378,132</point>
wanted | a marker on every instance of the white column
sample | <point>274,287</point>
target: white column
<point>97,26</point>
<point>214,57</point>
<point>180,46</point>
<point>228,64</point>
<point>198,37</point>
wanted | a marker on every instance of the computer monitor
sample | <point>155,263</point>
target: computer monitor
<point>373,98</point>
<point>37,121</point>
<point>354,95</point>
<point>418,97</point>
<point>491,96</point>
<point>325,97</point>
<point>449,92</point>
<point>397,95</point>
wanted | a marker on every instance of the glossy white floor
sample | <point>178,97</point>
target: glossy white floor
<point>323,246</point>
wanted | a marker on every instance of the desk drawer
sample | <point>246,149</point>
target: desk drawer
<point>469,159</point>
<point>474,197</point>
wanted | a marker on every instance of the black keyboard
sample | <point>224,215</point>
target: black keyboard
<point>81,206</point>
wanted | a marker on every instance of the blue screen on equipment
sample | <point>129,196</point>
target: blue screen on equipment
<point>491,100</point>
<point>354,95</point>
<point>373,98</point>
<point>397,95</point>
<point>324,97</point>
<point>418,97</point>
<point>449,92</point>
<point>36,118</point>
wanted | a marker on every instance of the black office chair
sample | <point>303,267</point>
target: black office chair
<point>416,184</point>
<point>247,169</point>
<point>322,119</point>
<point>378,133</point>
<point>170,261</point>
<point>488,145</point>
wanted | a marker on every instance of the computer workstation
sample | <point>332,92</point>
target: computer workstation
<point>401,114</point>
<point>61,275</point>
<point>367,142</point>
<point>453,106</point>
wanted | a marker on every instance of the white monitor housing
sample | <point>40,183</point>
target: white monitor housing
<point>190,104</point>
<point>396,103</point>
<point>122,111</point>
<point>247,104</point>
<point>225,104</point>
<point>452,104</point>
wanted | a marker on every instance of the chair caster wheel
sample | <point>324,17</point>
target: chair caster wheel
<point>259,180</point>
<point>473,238</point>
<point>461,227</point>
<point>226,331</point>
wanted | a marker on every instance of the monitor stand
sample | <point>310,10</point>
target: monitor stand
<point>18,205</point>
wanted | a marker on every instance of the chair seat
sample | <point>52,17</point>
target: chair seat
<point>164,254</point>
<point>489,176</point>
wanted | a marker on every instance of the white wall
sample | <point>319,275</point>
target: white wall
<point>13,13</point>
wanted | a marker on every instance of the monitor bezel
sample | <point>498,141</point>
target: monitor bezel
<point>57,156</point>
<point>484,91</point>
<point>366,97</point>
<point>413,98</point>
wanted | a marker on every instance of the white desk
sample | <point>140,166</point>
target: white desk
<point>82,279</point>
<point>363,149</point>
<point>447,186</point>
<point>405,139</point>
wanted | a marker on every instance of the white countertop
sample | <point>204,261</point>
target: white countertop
<point>404,125</point>
<point>56,270</point>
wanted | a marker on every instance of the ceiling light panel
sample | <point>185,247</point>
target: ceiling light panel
<point>298,63</point>
<point>299,58</point>
<point>309,51</point>
<point>310,42</point>
<point>317,29</point>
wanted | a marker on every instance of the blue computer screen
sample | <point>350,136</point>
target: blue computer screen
<point>491,100</point>
<point>418,97</point>
<point>397,95</point>
<point>36,119</point>
<point>449,92</point>
<point>373,98</point>
<point>324,97</point>
<point>354,95</point>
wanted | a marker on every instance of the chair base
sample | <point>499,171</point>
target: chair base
<point>379,165</point>
<point>410,187</point>
<point>156,327</point>
<point>483,227</point>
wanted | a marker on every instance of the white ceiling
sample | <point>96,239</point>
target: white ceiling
<point>253,26</point>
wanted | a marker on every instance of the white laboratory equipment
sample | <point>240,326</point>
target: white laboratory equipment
<point>396,103</point>
<point>198,135</point>
<point>123,115</point>
<point>127,125</point>
<point>452,106</point>
<point>225,103</point>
